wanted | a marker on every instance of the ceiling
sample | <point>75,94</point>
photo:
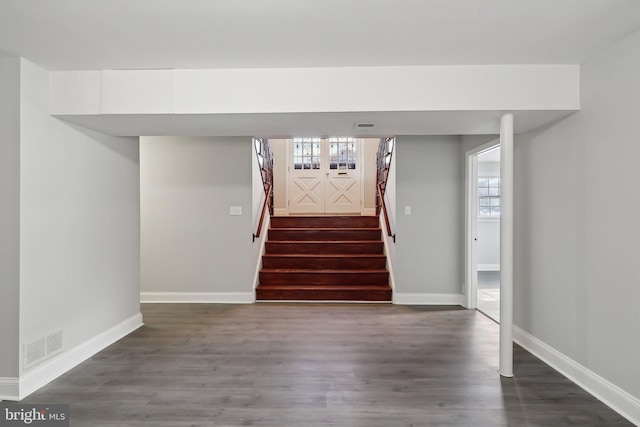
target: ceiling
<point>285,125</point>
<point>151,34</point>
<point>492,155</point>
<point>167,34</point>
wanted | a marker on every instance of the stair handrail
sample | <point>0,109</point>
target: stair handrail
<point>385,153</point>
<point>264,211</point>
<point>265,161</point>
<point>386,215</point>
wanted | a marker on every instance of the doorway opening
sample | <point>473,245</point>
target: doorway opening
<point>325,176</point>
<point>483,220</point>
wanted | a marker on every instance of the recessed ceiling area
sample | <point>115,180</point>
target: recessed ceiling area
<point>152,34</point>
<point>286,125</point>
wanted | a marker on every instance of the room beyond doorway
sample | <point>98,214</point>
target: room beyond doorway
<point>488,232</point>
<point>483,212</point>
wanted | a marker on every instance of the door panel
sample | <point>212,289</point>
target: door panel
<point>342,194</point>
<point>324,176</point>
<point>307,180</point>
<point>342,189</point>
<point>307,193</point>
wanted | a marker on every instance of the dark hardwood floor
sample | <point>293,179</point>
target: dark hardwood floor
<point>274,364</point>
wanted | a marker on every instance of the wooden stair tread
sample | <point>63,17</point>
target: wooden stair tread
<point>321,271</point>
<point>324,247</point>
<point>315,242</point>
<point>328,287</point>
<point>283,222</point>
<point>325,255</point>
<point>315,229</point>
<point>328,217</point>
<point>330,261</point>
<point>324,234</point>
<point>324,293</point>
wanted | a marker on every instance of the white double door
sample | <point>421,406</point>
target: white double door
<point>324,176</point>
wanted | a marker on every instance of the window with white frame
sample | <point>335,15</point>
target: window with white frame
<point>306,153</point>
<point>342,153</point>
<point>489,197</point>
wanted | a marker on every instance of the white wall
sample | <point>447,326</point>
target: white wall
<point>257,188</point>
<point>577,224</point>
<point>257,200</point>
<point>470,142</point>
<point>390,202</point>
<point>79,244</point>
<point>429,250</point>
<point>9,216</point>
<point>369,154</point>
<point>190,243</point>
<point>279,150</point>
<point>488,228</point>
<point>488,244</point>
<point>288,90</point>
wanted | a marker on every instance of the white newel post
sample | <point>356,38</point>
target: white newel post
<point>506,245</point>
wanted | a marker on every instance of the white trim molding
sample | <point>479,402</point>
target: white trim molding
<point>48,371</point>
<point>280,211</point>
<point>9,388</point>
<point>387,242</point>
<point>488,267</point>
<point>610,394</point>
<point>427,299</point>
<point>198,297</point>
<point>368,211</point>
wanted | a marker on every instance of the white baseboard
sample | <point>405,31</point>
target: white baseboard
<point>48,371</point>
<point>280,211</point>
<point>9,388</point>
<point>427,299</point>
<point>610,394</point>
<point>488,267</point>
<point>387,241</point>
<point>198,297</point>
<point>369,211</point>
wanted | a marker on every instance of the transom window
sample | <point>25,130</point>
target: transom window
<point>342,153</point>
<point>306,153</point>
<point>489,196</point>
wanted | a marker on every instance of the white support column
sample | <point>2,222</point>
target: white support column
<point>506,245</point>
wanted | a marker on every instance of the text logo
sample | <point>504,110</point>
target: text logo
<point>15,414</point>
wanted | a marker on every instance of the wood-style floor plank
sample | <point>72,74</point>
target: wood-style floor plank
<point>317,365</point>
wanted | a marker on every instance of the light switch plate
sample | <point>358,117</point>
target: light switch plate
<point>235,210</point>
<point>407,210</point>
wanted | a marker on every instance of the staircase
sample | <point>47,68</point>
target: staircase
<point>328,258</point>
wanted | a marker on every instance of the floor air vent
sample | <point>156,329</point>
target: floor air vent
<point>42,348</point>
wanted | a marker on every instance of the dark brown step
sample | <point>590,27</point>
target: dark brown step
<point>295,277</point>
<point>323,293</point>
<point>325,222</point>
<point>326,247</point>
<point>317,234</point>
<point>328,261</point>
